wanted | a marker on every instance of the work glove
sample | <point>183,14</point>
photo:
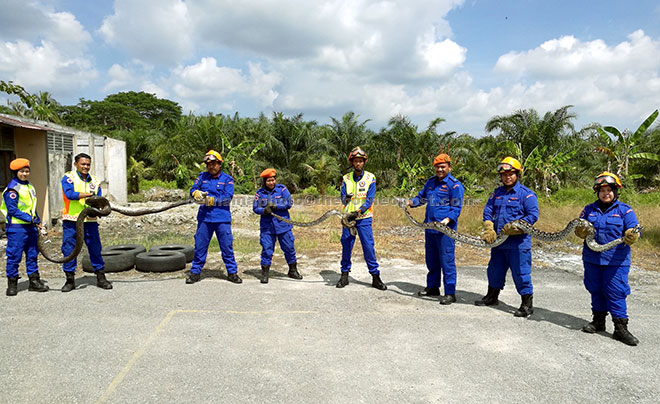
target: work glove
<point>269,208</point>
<point>630,237</point>
<point>198,195</point>
<point>209,201</point>
<point>488,232</point>
<point>445,221</point>
<point>352,216</point>
<point>511,230</point>
<point>582,230</point>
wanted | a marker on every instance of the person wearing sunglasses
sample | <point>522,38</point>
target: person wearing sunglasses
<point>606,272</point>
<point>511,201</point>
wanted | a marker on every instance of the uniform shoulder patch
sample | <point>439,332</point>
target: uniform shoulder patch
<point>13,194</point>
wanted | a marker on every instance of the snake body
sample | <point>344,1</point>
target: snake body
<point>97,206</point>
<point>350,225</point>
<point>525,227</point>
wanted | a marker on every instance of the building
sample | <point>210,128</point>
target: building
<point>50,149</point>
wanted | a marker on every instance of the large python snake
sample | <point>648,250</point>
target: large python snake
<point>525,227</point>
<point>350,225</point>
<point>97,206</point>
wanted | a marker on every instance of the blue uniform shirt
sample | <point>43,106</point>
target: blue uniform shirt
<point>609,226</point>
<point>443,198</point>
<point>504,206</point>
<point>12,205</point>
<point>281,197</point>
<point>221,188</point>
<point>371,193</point>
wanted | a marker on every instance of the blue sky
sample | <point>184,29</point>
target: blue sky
<point>464,61</point>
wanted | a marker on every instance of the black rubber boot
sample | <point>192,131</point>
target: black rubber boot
<point>70,283</point>
<point>429,292</point>
<point>293,271</point>
<point>377,283</point>
<point>597,324</point>
<point>36,284</point>
<point>193,278</point>
<point>343,280</point>
<point>490,299</point>
<point>526,307</point>
<point>234,278</point>
<point>101,282</point>
<point>264,273</point>
<point>621,332</point>
<point>446,300</point>
<point>12,286</point>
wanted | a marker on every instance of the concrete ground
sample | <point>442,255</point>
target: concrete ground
<point>156,339</point>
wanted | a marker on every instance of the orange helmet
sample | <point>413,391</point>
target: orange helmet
<point>441,158</point>
<point>357,152</point>
<point>606,178</point>
<point>509,164</point>
<point>212,155</point>
<point>19,163</point>
<point>267,173</point>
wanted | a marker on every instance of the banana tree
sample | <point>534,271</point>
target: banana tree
<point>622,147</point>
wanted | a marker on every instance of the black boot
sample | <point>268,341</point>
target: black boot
<point>70,283</point>
<point>36,284</point>
<point>598,323</point>
<point>429,292</point>
<point>448,299</point>
<point>377,283</point>
<point>101,282</point>
<point>192,278</point>
<point>12,286</point>
<point>343,280</point>
<point>293,271</point>
<point>490,299</point>
<point>264,273</point>
<point>621,332</point>
<point>526,307</point>
<point>234,278</point>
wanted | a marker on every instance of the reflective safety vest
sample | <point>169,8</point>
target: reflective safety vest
<point>27,200</point>
<point>359,190</point>
<point>72,208</point>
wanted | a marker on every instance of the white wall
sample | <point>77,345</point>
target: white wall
<point>115,170</point>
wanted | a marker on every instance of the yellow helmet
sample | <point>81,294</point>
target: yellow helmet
<point>212,155</point>
<point>607,178</point>
<point>509,164</point>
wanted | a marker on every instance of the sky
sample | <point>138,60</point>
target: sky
<point>465,61</point>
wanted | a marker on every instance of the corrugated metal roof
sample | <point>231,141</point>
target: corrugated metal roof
<point>19,123</point>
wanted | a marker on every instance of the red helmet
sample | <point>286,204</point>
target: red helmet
<point>357,152</point>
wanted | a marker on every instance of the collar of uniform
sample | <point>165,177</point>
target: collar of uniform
<point>358,178</point>
<point>514,188</point>
<point>21,181</point>
<point>447,178</point>
<point>86,179</point>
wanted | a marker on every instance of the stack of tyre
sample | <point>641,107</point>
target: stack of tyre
<point>161,258</point>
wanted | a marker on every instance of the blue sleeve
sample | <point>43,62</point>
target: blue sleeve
<point>421,199</point>
<point>226,194</point>
<point>67,188</point>
<point>629,219</point>
<point>258,205</point>
<point>456,202</point>
<point>99,192</point>
<point>371,195</point>
<point>12,207</point>
<point>197,185</point>
<point>286,202</point>
<point>342,193</point>
<point>488,208</point>
<point>531,208</point>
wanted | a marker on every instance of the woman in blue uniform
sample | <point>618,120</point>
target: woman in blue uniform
<point>19,205</point>
<point>274,197</point>
<point>606,272</point>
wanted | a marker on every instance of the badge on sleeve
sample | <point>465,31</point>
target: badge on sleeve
<point>13,195</point>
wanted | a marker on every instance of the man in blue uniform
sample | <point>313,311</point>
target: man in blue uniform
<point>510,202</point>
<point>606,272</point>
<point>216,190</point>
<point>443,196</point>
<point>76,186</point>
<point>274,197</point>
<point>358,190</point>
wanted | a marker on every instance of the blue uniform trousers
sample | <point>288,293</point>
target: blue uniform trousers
<point>92,239</point>
<point>203,237</point>
<point>608,285</point>
<point>520,262</point>
<point>440,261</point>
<point>366,235</point>
<point>267,241</point>
<point>21,240</point>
